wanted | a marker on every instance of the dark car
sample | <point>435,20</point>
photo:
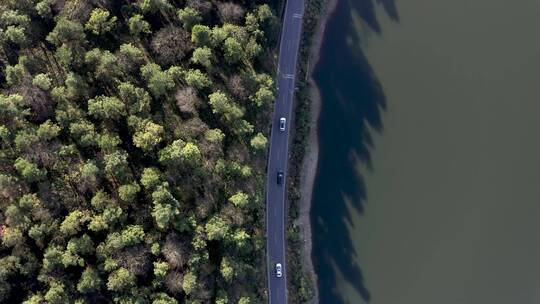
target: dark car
<point>280,177</point>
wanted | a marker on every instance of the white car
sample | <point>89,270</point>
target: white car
<point>279,273</point>
<point>282,122</point>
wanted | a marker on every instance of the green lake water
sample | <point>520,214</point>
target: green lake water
<point>428,186</point>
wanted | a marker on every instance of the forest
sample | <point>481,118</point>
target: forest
<point>133,141</point>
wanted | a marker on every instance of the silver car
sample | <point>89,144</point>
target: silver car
<point>282,122</point>
<point>279,272</point>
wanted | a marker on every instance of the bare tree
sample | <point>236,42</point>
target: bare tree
<point>175,251</point>
<point>136,260</point>
<point>171,44</point>
<point>174,281</point>
<point>203,6</point>
<point>237,86</point>
<point>230,12</point>
<point>187,100</point>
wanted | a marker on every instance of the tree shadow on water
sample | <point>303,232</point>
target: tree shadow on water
<point>353,101</point>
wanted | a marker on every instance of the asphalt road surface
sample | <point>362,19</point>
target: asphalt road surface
<point>279,150</point>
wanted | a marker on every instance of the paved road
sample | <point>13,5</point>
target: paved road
<point>279,150</point>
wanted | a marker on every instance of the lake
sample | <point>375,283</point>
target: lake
<point>428,186</point>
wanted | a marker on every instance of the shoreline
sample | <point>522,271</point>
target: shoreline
<point>311,155</point>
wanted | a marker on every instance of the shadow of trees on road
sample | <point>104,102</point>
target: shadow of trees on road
<point>353,101</point>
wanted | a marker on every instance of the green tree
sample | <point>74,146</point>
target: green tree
<point>136,99</point>
<point>191,155</point>
<point>43,8</point>
<point>42,81</point>
<point>39,232</point>
<point>201,35</point>
<point>263,97</point>
<point>163,215</point>
<point>138,26</point>
<point>221,297</point>
<point>132,235</point>
<point>171,154</point>
<point>36,298</point>
<point>48,130</point>
<point>190,282</point>
<point>108,218</point>
<point>83,132</point>
<point>66,32</point>
<point>151,178</point>
<point>105,107</point>
<point>87,176</point>
<point>197,79</point>
<point>252,24</point>
<point>14,17</point>
<point>100,22</point>
<point>52,258</point>
<point>240,199</point>
<point>259,142</point>
<point>15,74</point>
<point>242,127</point>
<point>223,106</point>
<point>120,279</point>
<point>189,17</point>
<point>75,86</point>
<point>12,237</point>
<point>105,65</point>
<point>214,136</point>
<point>65,56</point>
<point>147,135</point>
<point>159,82</point>
<point>163,298</point>
<point>82,245</point>
<point>56,294</point>
<point>203,56</point>
<point>268,22</point>
<point>5,134</point>
<point>244,300</point>
<point>90,281</point>
<point>153,6</point>
<point>116,164</point>
<point>227,269</point>
<point>165,207</point>
<point>160,269</point>
<point>73,222</point>
<point>128,193</point>
<point>252,49</point>
<point>130,57</point>
<point>75,248</point>
<point>16,35</point>
<point>233,50</point>
<point>241,239</point>
<point>216,228</point>
<point>30,171</point>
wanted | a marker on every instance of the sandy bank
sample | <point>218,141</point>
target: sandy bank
<point>311,156</point>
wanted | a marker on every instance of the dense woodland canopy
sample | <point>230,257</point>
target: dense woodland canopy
<point>132,146</point>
